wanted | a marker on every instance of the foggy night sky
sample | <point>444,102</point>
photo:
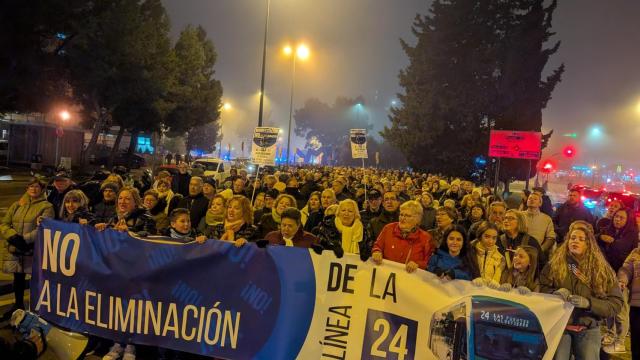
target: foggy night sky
<point>355,50</point>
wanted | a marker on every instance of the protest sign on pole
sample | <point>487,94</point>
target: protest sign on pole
<point>276,302</point>
<point>264,148</point>
<point>358,139</point>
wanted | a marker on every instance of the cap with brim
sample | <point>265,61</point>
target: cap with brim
<point>61,175</point>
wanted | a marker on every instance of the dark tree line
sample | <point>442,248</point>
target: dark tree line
<point>475,66</point>
<point>114,59</point>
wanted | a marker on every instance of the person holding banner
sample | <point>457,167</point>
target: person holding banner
<point>523,275</point>
<point>342,231</point>
<point>450,260</point>
<point>487,263</point>
<point>19,229</point>
<point>291,232</point>
<point>237,226</point>
<point>404,242</point>
<point>579,274</point>
<point>130,214</point>
<point>75,208</point>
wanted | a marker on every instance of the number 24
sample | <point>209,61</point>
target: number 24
<point>398,343</point>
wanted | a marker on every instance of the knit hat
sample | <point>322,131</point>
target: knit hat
<point>110,185</point>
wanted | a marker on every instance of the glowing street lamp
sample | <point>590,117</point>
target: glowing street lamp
<point>227,106</point>
<point>302,52</point>
<point>64,115</point>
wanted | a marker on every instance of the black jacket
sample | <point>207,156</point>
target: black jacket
<point>180,184</point>
<point>247,231</point>
<point>197,206</point>
<point>139,221</point>
<point>55,198</point>
<point>567,214</point>
<point>377,223</point>
<point>103,211</point>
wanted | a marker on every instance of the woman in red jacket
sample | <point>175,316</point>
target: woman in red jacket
<point>404,241</point>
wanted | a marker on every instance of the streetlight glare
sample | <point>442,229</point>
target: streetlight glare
<point>638,107</point>
<point>302,52</point>
<point>227,106</point>
<point>287,50</point>
<point>64,115</point>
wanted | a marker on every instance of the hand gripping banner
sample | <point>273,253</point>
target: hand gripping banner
<point>277,303</point>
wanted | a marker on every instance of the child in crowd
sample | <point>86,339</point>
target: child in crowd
<point>450,261</point>
<point>75,208</point>
<point>524,274</point>
<point>487,264</point>
<point>181,227</point>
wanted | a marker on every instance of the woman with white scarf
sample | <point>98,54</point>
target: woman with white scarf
<point>342,232</point>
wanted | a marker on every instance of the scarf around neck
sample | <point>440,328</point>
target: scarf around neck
<point>351,235</point>
<point>213,219</point>
<point>275,215</point>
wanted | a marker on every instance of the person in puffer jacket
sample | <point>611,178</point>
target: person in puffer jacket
<point>579,274</point>
<point>19,230</point>
<point>450,260</point>
<point>629,278</point>
<point>487,263</point>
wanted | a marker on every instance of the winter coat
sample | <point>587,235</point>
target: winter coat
<point>487,264</point>
<point>567,214</point>
<point>309,187</point>
<point>55,198</point>
<point>300,201</point>
<point>103,212</point>
<point>367,215</point>
<point>506,243</point>
<point>180,184</point>
<point>415,246</point>
<point>267,224</point>
<point>139,221</point>
<point>378,223</point>
<point>601,308</point>
<point>629,273</point>
<point>81,214</point>
<point>247,231</point>
<point>197,206</point>
<point>428,218</point>
<point>442,262</point>
<point>301,239</point>
<point>624,241</point>
<point>314,219</point>
<point>159,216</point>
<point>22,220</point>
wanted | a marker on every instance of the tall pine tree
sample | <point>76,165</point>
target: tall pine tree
<point>475,65</point>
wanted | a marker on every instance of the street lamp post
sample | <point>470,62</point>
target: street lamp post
<point>264,60</point>
<point>64,116</point>
<point>301,52</point>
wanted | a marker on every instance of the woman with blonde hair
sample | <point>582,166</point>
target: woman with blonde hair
<point>342,232</point>
<point>579,274</point>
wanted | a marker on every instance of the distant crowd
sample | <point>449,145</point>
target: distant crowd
<point>452,228</point>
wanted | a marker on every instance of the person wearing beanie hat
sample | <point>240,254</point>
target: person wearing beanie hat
<point>209,187</point>
<point>106,208</point>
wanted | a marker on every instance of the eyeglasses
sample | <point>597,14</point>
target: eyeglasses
<point>510,218</point>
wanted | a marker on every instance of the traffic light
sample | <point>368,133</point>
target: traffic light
<point>569,151</point>
<point>547,167</point>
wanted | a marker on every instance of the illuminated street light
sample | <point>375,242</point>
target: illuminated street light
<point>64,115</point>
<point>638,107</point>
<point>226,106</point>
<point>302,53</point>
<point>596,131</point>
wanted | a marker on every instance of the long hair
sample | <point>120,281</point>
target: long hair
<point>245,205</point>
<point>599,275</point>
<point>465,241</point>
<point>74,195</point>
<point>530,278</point>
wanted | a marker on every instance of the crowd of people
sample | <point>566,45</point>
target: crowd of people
<point>452,228</point>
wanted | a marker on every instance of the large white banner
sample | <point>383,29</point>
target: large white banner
<point>264,147</point>
<point>364,311</point>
